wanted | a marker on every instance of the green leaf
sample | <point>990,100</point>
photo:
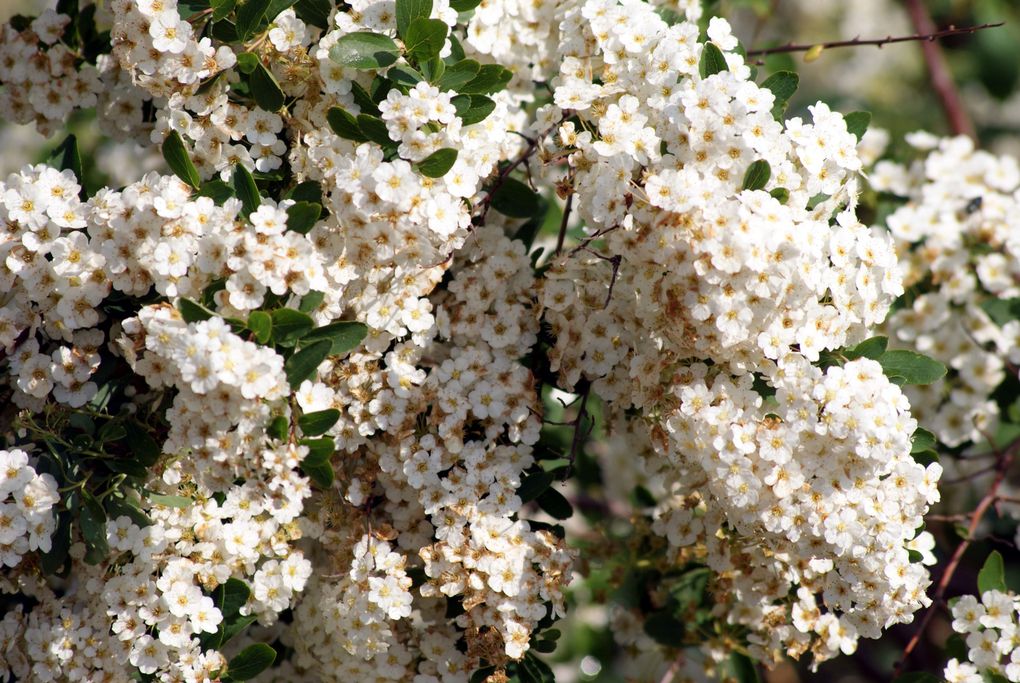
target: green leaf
<point>229,597</point>
<point>302,365</point>
<point>261,325</point>
<point>910,367</point>
<point>246,189</point>
<point>464,5</point>
<point>222,8</point>
<point>472,108</point>
<point>534,485</point>
<point>781,194</point>
<point>438,163</point>
<point>264,88</point>
<point>313,424</point>
<point>70,160</point>
<point>744,668</point>
<point>247,62</point>
<point>922,440</point>
<point>249,16</point>
<point>375,130</point>
<point>168,501</point>
<point>192,311</point>
<point>408,11</point>
<point>278,428</point>
<point>92,521</point>
<point>311,301</point>
<point>665,629</point>
<point>302,216</point>
<point>554,504</point>
<point>60,544</point>
<point>314,12</point>
<point>783,85</point>
<point>401,74</point>
<point>712,60</point>
<point>252,661</point>
<point>433,69</point>
<point>145,448</point>
<point>1001,311</point>
<point>176,155</point>
<point>345,125</point>
<point>515,199</point>
<point>308,191</point>
<point>857,123</point>
<point>217,190</point>
<point>364,50</point>
<point>425,39</point>
<point>992,576</point>
<point>869,348</point>
<point>757,175</point>
<point>491,78</point>
<point>316,464</point>
<point>343,336</point>
<point>290,325</point>
<point>459,74</point>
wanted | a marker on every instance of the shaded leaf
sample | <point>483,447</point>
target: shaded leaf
<point>438,163</point>
<point>343,335</point>
<point>364,50</point>
<point>408,11</point>
<point>251,661</point>
<point>302,364</point>
<point>857,123</point>
<point>712,60</point>
<point>910,367</point>
<point>992,576</point>
<point>261,325</point>
<point>515,199</point>
<point>290,325</point>
<point>318,422</point>
<point>757,175</point>
<point>302,216</point>
<point>176,155</point>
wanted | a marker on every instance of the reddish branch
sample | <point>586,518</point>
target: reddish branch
<point>938,73</point>
<point>927,37</point>
<point>1003,461</point>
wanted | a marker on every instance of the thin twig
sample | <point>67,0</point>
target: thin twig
<point>877,42</point>
<point>1002,464</point>
<point>563,222</point>
<point>939,74</point>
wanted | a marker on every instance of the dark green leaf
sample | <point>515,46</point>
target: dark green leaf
<point>92,521</point>
<point>246,189</point>
<point>781,194</point>
<point>925,457</point>
<point>222,8</point>
<point>534,485</point>
<point>308,191</point>
<point>438,163</point>
<point>261,325</point>
<point>459,74</point>
<point>60,543</point>
<point>124,507</point>
<point>364,99</point>
<point>992,576</point>
<point>433,69</point>
<point>264,88</point>
<point>343,335</point>
<point>869,348</point>
<point>1001,311</point>
<point>217,190</point>
<point>375,130</point>
<point>319,450</point>
<point>313,424</point>
<point>252,661</point>
<point>364,50</point>
<point>911,368</point>
<point>302,216</point>
<point>176,155</point>
<point>345,124</point>
<point>665,629</point>
<point>290,325</point>
<point>464,5</point>
<point>302,365</point>
<point>515,199</point>
<point>314,12</point>
<point>783,85</point>
<point>311,301</point>
<point>544,646</point>
<point>857,123</point>
<point>744,668</point>
<point>192,311</point>
<point>922,440</point>
<point>277,428</point>
<point>402,74</point>
<point>712,60</point>
<point>408,11</point>
<point>229,597</point>
<point>491,78</point>
<point>425,39</point>
<point>249,16</point>
<point>554,504</point>
<point>472,108</point>
<point>224,31</point>
<point>70,160</point>
<point>145,448</point>
<point>757,175</point>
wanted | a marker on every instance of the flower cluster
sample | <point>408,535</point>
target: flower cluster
<point>26,523</point>
<point>989,626</point>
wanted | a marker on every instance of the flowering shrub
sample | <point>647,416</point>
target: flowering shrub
<point>287,407</point>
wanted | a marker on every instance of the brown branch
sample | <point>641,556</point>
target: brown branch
<point>922,35</point>
<point>938,72</point>
<point>1002,464</point>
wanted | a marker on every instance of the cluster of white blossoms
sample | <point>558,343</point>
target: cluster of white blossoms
<point>26,522</point>
<point>989,626</point>
<point>957,237</point>
<point>705,305</point>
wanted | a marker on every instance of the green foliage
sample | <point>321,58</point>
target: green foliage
<point>438,163</point>
<point>364,50</point>
<point>992,576</point>
<point>712,60</point>
<point>176,155</point>
<point>251,661</point>
<point>757,175</point>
